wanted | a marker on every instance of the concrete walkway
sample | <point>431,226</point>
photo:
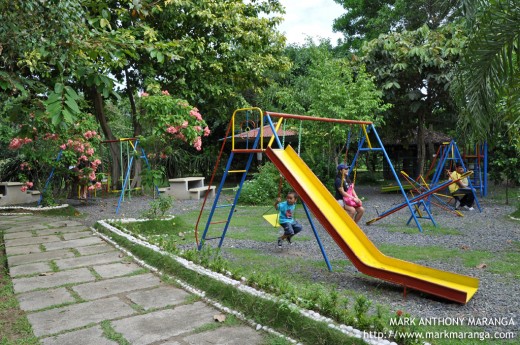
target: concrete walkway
<point>77,289</point>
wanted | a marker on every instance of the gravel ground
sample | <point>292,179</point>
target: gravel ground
<point>490,230</point>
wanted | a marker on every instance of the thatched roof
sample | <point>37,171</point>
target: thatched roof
<point>267,133</point>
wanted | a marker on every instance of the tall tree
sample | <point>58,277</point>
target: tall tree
<point>207,52</point>
<point>490,85</point>
<point>366,20</point>
<point>324,85</point>
<point>415,69</point>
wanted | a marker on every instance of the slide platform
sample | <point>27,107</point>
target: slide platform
<point>357,246</point>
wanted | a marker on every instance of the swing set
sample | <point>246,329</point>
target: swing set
<point>316,198</point>
<point>272,218</point>
<point>129,150</point>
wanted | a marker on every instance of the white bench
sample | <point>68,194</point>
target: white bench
<point>185,188</point>
<point>11,194</point>
<point>198,192</point>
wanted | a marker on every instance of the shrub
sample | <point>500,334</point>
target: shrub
<point>158,207</point>
<point>263,188</point>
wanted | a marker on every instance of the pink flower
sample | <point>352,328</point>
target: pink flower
<point>195,113</point>
<point>206,131</point>
<point>23,189</point>
<point>15,143</point>
<point>83,158</point>
<point>29,184</point>
<point>92,176</point>
<point>144,94</point>
<point>90,151</point>
<point>172,130</point>
<point>185,124</point>
<point>197,143</point>
<point>197,128</point>
<point>163,155</point>
<point>165,92</point>
<point>95,163</point>
<point>63,147</point>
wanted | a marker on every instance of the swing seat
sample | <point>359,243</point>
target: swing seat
<point>272,219</point>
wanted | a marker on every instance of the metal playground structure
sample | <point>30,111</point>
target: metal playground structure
<point>318,200</point>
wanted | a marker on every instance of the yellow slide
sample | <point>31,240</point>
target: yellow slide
<point>356,245</point>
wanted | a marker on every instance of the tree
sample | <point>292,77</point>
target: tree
<point>324,85</point>
<point>209,53</point>
<point>366,20</point>
<point>490,73</point>
<point>415,69</point>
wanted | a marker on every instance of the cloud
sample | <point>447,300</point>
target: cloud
<point>312,18</point>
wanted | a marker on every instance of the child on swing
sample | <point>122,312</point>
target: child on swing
<point>285,217</point>
<point>346,195</point>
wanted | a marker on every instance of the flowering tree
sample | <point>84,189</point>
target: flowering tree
<point>38,143</point>
<point>168,120</point>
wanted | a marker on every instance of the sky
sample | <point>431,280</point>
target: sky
<point>312,18</point>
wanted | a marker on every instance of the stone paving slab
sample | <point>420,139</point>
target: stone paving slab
<point>18,227</point>
<point>78,315</point>
<point>33,248</point>
<point>76,235</point>
<point>96,249</point>
<point>76,276</point>
<point>32,240</point>
<point>224,335</point>
<point>74,243</point>
<point>117,285</point>
<point>117,270</point>
<point>89,336</point>
<point>21,234</point>
<point>164,324</point>
<point>31,257</point>
<point>35,300</point>
<point>37,267</point>
<point>60,230</point>
<point>160,297</point>
<point>64,223</point>
<point>88,260</point>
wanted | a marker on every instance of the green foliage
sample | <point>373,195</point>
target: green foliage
<point>504,165</point>
<point>489,72</point>
<point>415,70</point>
<point>262,189</point>
<point>325,85</point>
<point>158,207</point>
<point>168,119</point>
<point>152,178</point>
<point>366,20</point>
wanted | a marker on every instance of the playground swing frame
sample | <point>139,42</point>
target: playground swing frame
<point>272,218</point>
<point>344,231</point>
<point>131,154</point>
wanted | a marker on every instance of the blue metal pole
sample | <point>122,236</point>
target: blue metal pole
<point>396,178</point>
<point>317,237</point>
<point>49,178</point>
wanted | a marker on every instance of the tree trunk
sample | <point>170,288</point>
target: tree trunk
<point>421,145</point>
<point>137,130</point>
<point>99,112</point>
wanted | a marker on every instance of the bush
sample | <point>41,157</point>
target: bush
<point>262,189</point>
<point>158,207</point>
